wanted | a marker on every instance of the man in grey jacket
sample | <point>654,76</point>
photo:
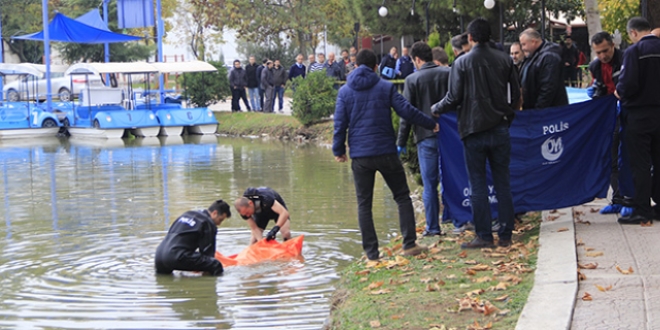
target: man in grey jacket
<point>279,82</point>
<point>424,88</point>
<point>268,86</point>
<point>238,83</point>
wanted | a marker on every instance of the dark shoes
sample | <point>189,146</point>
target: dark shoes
<point>415,250</point>
<point>634,220</point>
<point>478,243</point>
<point>504,243</point>
<point>427,233</point>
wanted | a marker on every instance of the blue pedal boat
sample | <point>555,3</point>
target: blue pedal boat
<point>24,119</point>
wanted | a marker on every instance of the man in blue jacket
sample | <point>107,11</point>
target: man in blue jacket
<point>363,108</point>
<point>637,89</point>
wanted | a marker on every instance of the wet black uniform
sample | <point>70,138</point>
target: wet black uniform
<point>263,199</point>
<point>191,231</point>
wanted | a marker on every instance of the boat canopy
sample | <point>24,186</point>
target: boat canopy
<point>112,67</point>
<point>181,67</point>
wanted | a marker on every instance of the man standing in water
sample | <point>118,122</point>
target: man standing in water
<point>260,205</point>
<point>190,242</point>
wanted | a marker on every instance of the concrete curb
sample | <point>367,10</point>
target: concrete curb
<point>552,299</point>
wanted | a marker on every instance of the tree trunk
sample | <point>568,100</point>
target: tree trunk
<point>593,17</point>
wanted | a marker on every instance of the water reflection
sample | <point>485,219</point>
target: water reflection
<point>83,219</point>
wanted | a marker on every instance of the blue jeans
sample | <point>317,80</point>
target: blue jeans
<point>254,98</point>
<point>279,93</point>
<point>429,166</point>
<point>493,146</point>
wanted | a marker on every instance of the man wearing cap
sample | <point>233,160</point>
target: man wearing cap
<point>190,242</point>
<point>258,207</point>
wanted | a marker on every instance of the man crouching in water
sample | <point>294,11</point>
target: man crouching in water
<point>192,231</point>
<point>260,205</point>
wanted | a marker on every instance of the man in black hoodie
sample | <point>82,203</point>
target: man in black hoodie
<point>190,242</point>
<point>252,70</point>
<point>542,73</point>
<point>238,83</point>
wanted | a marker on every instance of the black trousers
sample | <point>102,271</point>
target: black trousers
<point>236,95</point>
<point>261,97</point>
<point>189,261</point>
<point>643,141</point>
<point>617,198</point>
<point>364,176</point>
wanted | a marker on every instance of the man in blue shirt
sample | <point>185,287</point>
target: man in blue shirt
<point>364,110</point>
<point>637,89</point>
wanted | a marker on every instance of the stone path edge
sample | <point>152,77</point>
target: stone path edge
<point>551,302</point>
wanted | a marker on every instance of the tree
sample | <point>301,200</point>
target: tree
<point>615,14</point>
<point>19,22</point>
<point>275,49</point>
<point>195,21</point>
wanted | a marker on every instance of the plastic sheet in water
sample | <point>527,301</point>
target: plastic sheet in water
<point>263,250</point>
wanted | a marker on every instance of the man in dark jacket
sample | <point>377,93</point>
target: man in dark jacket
<point>297,69</point>
<point>333,68</point>
<point>364,109</point>
<point>190,242</point>
<point>570,56</point>
<point>423,89</point>
<point>262,92</point>
<point>238,83</point>
<point>279,81</point>
<point>388,64</point>
<point>541,76</point>
<point>605,70</point>
<point>485,83</point>
<point>404,65</point>
<point>253,79</point>
<point>637,89</point>
<point>258,207</point>
<point>267,86</point>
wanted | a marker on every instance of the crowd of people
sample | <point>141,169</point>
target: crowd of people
<point>486,88</point>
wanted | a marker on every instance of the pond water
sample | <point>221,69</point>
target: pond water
<point>83,218</point>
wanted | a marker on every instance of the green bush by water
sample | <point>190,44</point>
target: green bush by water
<point>314,97</point>
<point>206,88</point>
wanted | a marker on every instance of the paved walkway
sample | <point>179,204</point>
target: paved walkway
<point>226,106</point>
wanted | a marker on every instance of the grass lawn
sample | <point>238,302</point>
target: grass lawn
<point>257,123</point>
<point>446,288</point>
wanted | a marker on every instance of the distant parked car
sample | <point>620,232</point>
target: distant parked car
<point>31,87</point>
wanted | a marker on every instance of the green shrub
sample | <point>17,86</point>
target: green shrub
<point>314,97</point>
<point>206,88</point>
<point>434,39</point>
<point>450,51</point>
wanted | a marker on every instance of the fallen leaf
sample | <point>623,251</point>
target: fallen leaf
<point>624,271</point>
<point>471,262</point>
<point>396,317</point>
<point>426,279</point>
<point>501,286</point>
<point>430,288</point>
<point>387,251</point>
<point>480,267</point>
<point>579,242</point>
<point>374,324</point>
<point>483,279</point>
<point>588,248</point>
<point>591,265</point>
<point>379,292</point>
<point>409,274</point>
<point>441,283</point>
<point>463,254</point>
<point>594,254</point>
<point>594,210</point>
<point>581,277</point>
<point>397,246</point>
<point>437,327</point>
<point>427,267</point>
<point>375,285</point>
<point>412,290</point>
<point>362,272</point>
<point>562,229</point>
<point>497,262</point>
<point>464,304</point>
<point>451,276</point>
<point>470,272</point>
<point>434,250</point>
<point>502,298</point>
<point>364,279</point>
<point>647,224</point>
<point>553,211</point>
<point>489,309</point>
<point>604,289</point>
<point>552,217</point>
<point>587,297</point>
<point>475,292</point>
<point>373,264</point>
<point>395,282</point>
<point>503,312</point>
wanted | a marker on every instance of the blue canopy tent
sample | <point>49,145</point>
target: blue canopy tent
<point>93,19</point>
<point>65,29</point>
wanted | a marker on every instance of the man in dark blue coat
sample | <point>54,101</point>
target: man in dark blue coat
<point>363,108</point>
<point>637,89</point>
<point>190,242</point>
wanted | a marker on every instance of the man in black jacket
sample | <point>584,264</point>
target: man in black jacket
<point>258,207</point>
<point>605,70</point>
<point>190,242</point>
<point>484,83</point>
<point>260,71</point>
<point>388,64</point>
<point>423,89</point>
<point>252,70</point>
<point>570,56</point>
<point>541,76</point>
<point>238,83</point>
<point>637,89</point>
<point>267,86</point>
